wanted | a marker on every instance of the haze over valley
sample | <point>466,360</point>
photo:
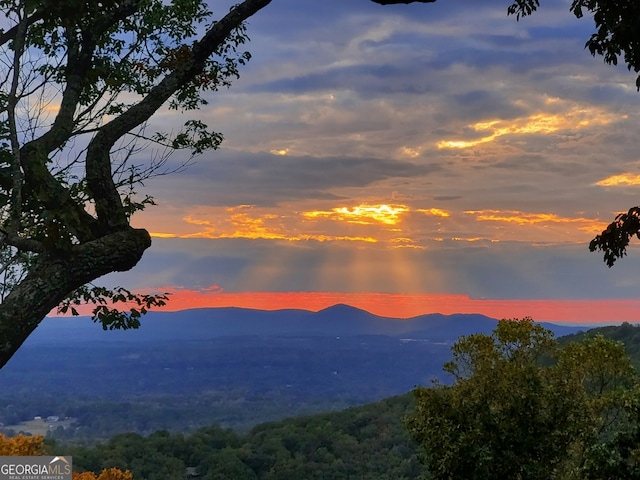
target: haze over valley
<point>231,366</point>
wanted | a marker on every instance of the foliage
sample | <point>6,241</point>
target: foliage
<point>616,22</point>
<point>617,36</point>
<point>366,442</point>
<point>109,317</point>
<point>22,445</point>
<point>26,446</point>
<point>522,408</point>
<point>626,333</point>
<point>614,240</point>
<point>106,474</point>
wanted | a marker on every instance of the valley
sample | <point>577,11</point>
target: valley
<point>232,367</point>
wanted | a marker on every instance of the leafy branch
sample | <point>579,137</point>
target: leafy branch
<point>112,318</point>
<point>614,240</point>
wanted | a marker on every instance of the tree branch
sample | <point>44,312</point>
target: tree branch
<point>79,63</point>
<point>52,278</point>
<point>98,165</point>
<point>12,102</point>
<point>34,155</point>
<point>21,243</point>
<point>11,34</point>
<point>615,239</point>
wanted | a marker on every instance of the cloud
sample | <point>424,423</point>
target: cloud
<point>525,218</point>
<point>572,119</point>
<point>622,179</point>
<point>436,212</point>
<point>233,178</point>
<point>363,79</point>
<point>243,222</point>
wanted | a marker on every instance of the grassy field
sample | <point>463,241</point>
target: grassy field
<point>38,426</point>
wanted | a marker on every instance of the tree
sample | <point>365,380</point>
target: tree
<point>80,80</point>
<point>26,446</point>
<point>106,474</point>
<point>615,239</point>
<point>21,445</point>
<point>521,408</point>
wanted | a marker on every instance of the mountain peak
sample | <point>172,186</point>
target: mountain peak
<point>342,308</point>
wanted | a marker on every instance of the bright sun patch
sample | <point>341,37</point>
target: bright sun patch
<point>363,214</point>
<point>280,152</point>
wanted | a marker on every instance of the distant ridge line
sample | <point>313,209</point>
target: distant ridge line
<point>337,320</point>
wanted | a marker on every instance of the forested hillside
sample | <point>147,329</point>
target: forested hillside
<point>626,333</point>
<point>368,442</point>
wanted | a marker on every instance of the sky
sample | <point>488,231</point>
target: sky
<point>405,159</point>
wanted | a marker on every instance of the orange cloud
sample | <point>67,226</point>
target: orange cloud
<point>523,218</point>
<point>575,118</point>
<point>436,212</point>
<point>623,179</point>
<point>240,224</point>
<point>410,152</point>
<point>404,242</point>
<point>163,235</point>
<point>471,239</point>
<point>375,223</point>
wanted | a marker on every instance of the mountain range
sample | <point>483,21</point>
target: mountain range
<point>206,323</point>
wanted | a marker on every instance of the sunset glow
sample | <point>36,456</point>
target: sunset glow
<point>395,225</point>
<point>407,306</point>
